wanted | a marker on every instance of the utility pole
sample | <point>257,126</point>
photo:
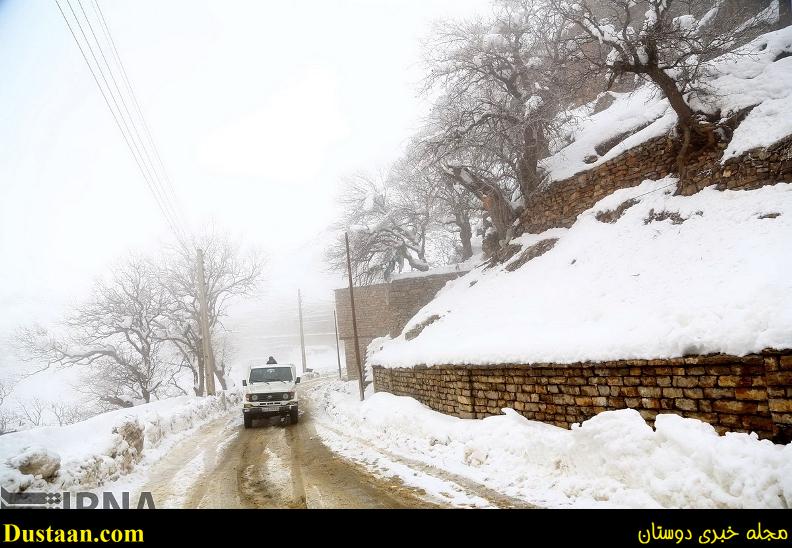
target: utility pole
<point>338,352</point>
<point>354,318</point>
<point>206,339</point>
<point>302,335</point>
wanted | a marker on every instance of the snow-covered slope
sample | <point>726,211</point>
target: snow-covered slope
<point>758,75</point>
<point>672,276</point>
<point>103,448</point>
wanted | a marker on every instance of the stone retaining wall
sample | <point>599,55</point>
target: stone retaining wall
<point>744,394</point>
<point>559,204</point>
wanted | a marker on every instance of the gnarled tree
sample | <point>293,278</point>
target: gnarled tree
<point>670,43</point>
<point>504,83</point>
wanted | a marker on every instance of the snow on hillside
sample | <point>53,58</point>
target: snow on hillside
<point>672,276</point>
<point>611,460</point>
<point>91,453</point>
<point>758,74</point>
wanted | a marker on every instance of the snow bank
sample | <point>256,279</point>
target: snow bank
<point>758,75</point>
<point>672,276</point>
<point>644,112</point>
<point>613,459</point>
<point>103,448</point>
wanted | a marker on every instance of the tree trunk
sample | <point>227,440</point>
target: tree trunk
<point>465,235</point>
<point>695,135</point>
<point>118,402</point>
<point>675,97</point>
<point>200,391</point>
<point>534,148</point>
<point>784,13</point>
<point>498,207</point>
<point>221,378</point>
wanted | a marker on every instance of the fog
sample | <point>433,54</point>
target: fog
<point>257,108</point>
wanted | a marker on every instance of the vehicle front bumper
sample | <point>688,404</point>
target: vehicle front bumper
<point>268,408</point>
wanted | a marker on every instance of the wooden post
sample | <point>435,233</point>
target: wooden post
<point>206,337</point>
<point>302,335</point>
<point>338,351</point>
<point>354,318</point>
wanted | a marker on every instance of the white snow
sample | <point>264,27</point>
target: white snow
<point>748,77</point>
<point>718,282</point>
<point>752,77</point>
<point>612,460</point>
<point>93,452</point>
<point>644,107</point>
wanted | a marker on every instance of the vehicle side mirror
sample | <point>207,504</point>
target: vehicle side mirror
<point>244,382</point>
<point>297,381</point>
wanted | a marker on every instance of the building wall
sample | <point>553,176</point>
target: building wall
<point>744,394</point>
<point>383,309</point>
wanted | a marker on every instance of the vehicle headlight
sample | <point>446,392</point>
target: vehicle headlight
<point>286,395</point>
<point>254,397</point>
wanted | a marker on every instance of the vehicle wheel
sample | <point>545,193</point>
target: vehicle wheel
<point>248,421</point>
<point>294,415</point>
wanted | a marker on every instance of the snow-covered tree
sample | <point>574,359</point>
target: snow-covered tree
<point>387,227</point>
<point>228,273</point>
<point>670,43</point>
<point>117,337</point>
<point>503,83</point>
<point>450,209</point>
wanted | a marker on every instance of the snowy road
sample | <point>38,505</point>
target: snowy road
<point>273,465</point>
<point>269,466</point>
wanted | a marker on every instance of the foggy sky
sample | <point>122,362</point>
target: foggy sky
<point>257,107</point>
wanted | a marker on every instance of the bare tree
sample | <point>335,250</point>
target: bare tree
<point>118,337</point>
<point>387,226</point>
<point>670,43</point>
<point>33,411</point>
<point>504,83</point>
<point>453,208</point>
<point>228,274</point>
<point>66,413</point>
<point>8,418</point>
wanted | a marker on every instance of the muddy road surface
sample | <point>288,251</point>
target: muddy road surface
<point>272,465</point>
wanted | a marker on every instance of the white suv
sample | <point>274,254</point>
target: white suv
<point>270,390</point>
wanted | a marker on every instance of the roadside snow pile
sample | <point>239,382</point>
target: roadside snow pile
<point>613,459</point>
<point>758,75</point>
<point>642,274</point>
<point>91,453</point>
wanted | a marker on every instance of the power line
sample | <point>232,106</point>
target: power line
<point>159,197</point>
<point>145,155</point>
<point>168,186</point>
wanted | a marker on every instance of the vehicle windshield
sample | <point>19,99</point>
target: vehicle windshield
<point>270,374</point>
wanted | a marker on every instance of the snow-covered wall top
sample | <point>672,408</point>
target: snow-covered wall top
<point>673,275</point>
